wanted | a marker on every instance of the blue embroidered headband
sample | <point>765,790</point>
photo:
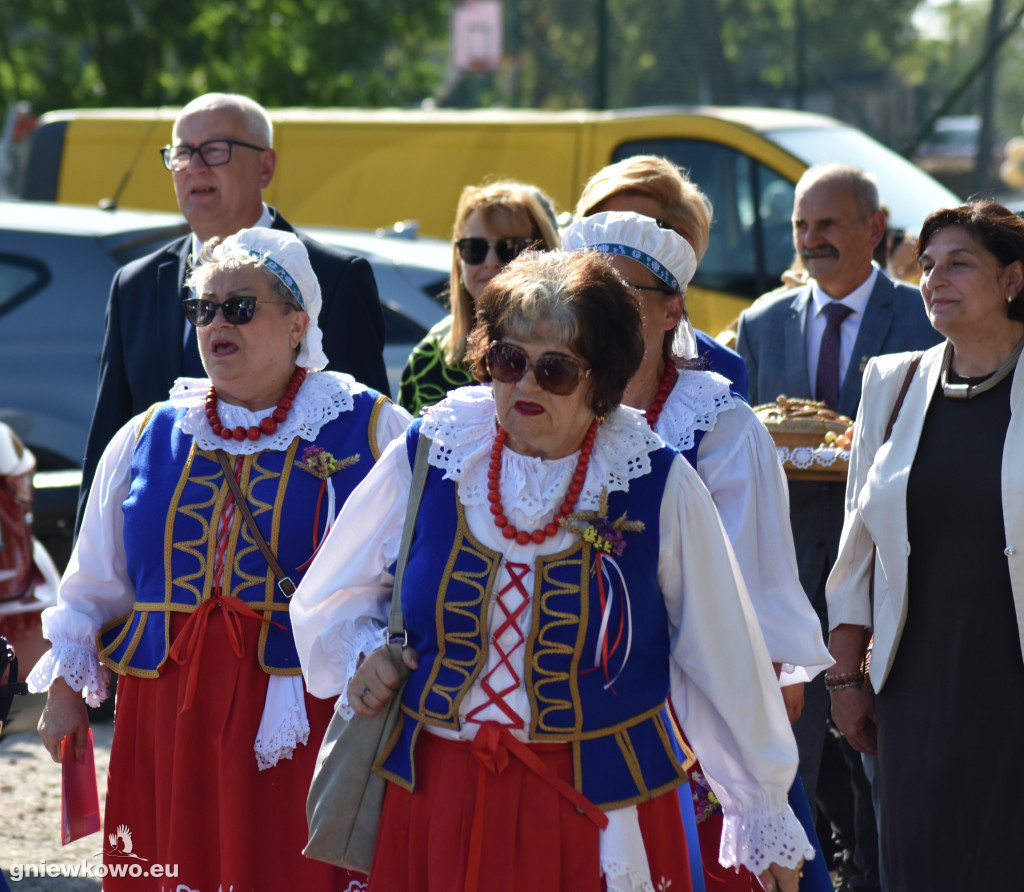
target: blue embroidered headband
<point>646,259</point>
<point>664,252</point>
<point>282,274</point>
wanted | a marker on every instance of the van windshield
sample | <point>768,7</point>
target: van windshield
<point>908,192</point>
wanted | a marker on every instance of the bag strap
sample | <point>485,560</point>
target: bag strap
<point>397,636</point>
<point>284,583</point>
<point>902,395</point>
<point>915,362</point>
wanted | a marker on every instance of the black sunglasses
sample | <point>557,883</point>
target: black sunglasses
<point>474,250</point>
<point>557,373</point>
<point>236,310</point>
<point>212,153</point>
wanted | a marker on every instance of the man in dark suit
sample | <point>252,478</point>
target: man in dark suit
<point>812,342</point>
<point>221,159</point>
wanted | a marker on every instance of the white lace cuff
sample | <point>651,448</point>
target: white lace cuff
<point>77,665</point>
<point>755,841</point>
<point>365,640</point>
<point>284,725</point>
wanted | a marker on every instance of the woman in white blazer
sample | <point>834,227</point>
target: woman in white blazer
<point>935,517</point>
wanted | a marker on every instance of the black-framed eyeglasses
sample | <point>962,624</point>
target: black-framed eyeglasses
<point>213,153</point>
<point>236,310</point>
<point>557,373</point>
<point>474,250</point>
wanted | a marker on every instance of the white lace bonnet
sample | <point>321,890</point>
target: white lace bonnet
<point>286,257</point>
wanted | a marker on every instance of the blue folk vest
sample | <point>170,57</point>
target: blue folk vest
<point>624,745</point>
<point>170,523</point>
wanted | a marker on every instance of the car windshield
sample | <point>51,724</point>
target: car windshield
<point>908,192</point>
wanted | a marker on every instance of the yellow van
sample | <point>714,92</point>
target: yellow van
<point>371,168</point>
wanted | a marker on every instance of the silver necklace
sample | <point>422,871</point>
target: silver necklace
<point>969,391</point>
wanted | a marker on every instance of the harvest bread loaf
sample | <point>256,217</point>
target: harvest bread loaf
<point>813,441</point>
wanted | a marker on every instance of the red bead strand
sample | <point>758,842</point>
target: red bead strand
<point>668,381</point>
<point>567,506</point>
<point>267,425</point>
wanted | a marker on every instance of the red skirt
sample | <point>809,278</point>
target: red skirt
<point>493,823</point>
<point>186,787</point>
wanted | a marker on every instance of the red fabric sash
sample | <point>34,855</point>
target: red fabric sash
<point>492,747</point>
<point>193,633</point>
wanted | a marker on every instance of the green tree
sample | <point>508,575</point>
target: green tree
<point>59,53</point>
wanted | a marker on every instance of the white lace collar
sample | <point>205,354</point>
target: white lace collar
<point>322,398</point>
<point>462,427</point>
<point>694,404</point>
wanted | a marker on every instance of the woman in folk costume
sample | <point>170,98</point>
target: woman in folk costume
<point>170,586</point>
<point>697,412</point>
<point>568,575</point>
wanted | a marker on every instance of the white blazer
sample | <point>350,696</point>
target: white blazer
<point>876,503</point>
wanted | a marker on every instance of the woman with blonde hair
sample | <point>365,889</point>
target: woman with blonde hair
<point>655,187</point>
<point>493,224</point>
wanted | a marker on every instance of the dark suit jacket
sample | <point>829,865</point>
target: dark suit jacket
<point>144,351</point>
<point>772,339</point>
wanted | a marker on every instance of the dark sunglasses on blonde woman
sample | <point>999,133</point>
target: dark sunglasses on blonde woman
<point>557,373</point>
<point>474,250</point>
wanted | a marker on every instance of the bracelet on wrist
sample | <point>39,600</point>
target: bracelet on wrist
<point>831,688</point>
<point>844,680</point>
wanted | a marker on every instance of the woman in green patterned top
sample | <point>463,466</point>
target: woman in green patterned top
<point>493,224</point>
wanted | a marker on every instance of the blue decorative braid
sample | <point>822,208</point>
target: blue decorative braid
<point>283,275</point>
<point>636,254</point>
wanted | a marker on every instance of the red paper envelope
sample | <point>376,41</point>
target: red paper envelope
<point>79,798</point>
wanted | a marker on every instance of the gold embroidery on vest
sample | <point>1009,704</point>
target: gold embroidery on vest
<point>269,606</point>
<point>371,428</point>
<point>145,421</point>
<point>202,548</point>
<point>480,582</point>
<point>541,648</point>
<point>241,543</point>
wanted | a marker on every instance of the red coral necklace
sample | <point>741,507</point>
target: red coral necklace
<point>668,381</point>
<point>567,506</point>
<point>267,425</point>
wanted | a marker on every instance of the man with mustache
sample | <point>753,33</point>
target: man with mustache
<point>812,342</point>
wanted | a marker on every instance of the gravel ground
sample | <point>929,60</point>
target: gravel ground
<point>30,805</point>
